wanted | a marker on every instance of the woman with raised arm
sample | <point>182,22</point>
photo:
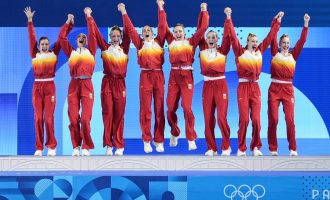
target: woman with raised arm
<point>81,91</point>
<point>44,63</point>
<point>215,90</point>
<point>150,58</point>
<point>283,66</point>
<point>249,62</point>
<point>113,89</point>
<point>181,81</point>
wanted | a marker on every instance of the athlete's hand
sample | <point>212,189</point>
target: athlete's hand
<point>29,13</point>
<point>70,19</point>
<point>88,11</point>
<point>228,12</point>
<point>160,4</point>
<point>279,16</point>
<point>306,19</point>
<point>121,8</point>
<point>203,6</point>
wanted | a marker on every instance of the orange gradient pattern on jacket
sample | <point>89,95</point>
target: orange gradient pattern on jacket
<point>49,62</point>
<point>183,49</point>
<point>249,62</point>
<point>218,63</point>
<point>115,61</point>
<point>153,51</point>
<point>82,59</point>
<point>279,63</point>
<point>44,65</point>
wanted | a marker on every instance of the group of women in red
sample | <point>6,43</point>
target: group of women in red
<point>150,51</point>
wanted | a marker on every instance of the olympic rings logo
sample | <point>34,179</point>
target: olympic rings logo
<point>244,191</point>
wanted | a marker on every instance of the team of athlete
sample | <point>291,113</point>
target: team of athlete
<point>150,53</point>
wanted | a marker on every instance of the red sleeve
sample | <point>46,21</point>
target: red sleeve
<point>99,38</point>
<point>57,46</point>
<point>137,41</point>
<point>225,43</point>
<point>203,20</point>
<point>32,40</point>
<point>92,42</point>
<point>300,43</point>
<point>237,48</point>
<point>65,44</point>
<point>200,20</point>
<point>203,44</point>
<point>273,43</point>
<point>168,35</point>
<point>273,31</point>
<point>274,46</point>
<point>161,27</point>
<point>126,39</point>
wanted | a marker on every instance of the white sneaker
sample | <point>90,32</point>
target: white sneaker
<point>192,145</point>
<point>226,152</point>
<point>256,152</point>
<point>109,151</point>
<point>76,151</point>
<point>147,147</point>
<point>85,152</point>
<point>241,153</point>
<point>38,153</point>
<point>173,141</point>
<point>159,146</point>
<point>119,152</point>
<point>273,153</point>
<point>210,152</point>
<point>293,153</point>
<point>51,152</point>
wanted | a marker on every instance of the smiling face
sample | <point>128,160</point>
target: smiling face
<point>44,45</point>
<point>285,43</point>
<point>212,39</point>
<point>115,36</point>
<point>147,33</point>
<point>81,40</point>
<point>179,32</point>
<point>252,42</point>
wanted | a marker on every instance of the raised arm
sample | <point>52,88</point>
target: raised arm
<point>237,48</point>
<point>168,35</point>
<point>203,19</point>
<point>65,44</point>
<point>273,31</point>
<point>126,42</point>
<point>202,44</point>
<point>57,46</point>
<point>300,43</point>
<point>92,42</point>
<point>225,43</point>
<point>103,44</point>
<point>162,25</point>
<point>128,25</point>
<point>32,34</point>
<point>274,46</point>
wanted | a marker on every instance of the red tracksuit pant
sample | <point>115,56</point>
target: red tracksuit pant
<point>44,100</point>
<point>215,96</point>
<point>152,85</point>
<point>113,100</point>
<point>81,92</point>
<point>279,92</point>
<point>181,83</point>
<point>249,102</point>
